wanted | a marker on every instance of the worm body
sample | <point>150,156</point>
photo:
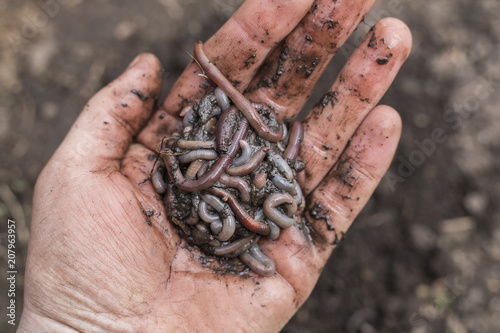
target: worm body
<point>246,153</point>
<point>283,184</point>
<point>238,99</point>
<point>196,144</point>
<point>222,98</point>
<point>158,182</point>
<point>205,215</point>
<point>296,138</point>
<point>280,164</point>
<point>260,180</point>
<point>238,183</point>
<point>200,154</point>
<point>250,165</point>
<point>241,214</point>
<point>275,215</point>
<point>233,247</point>
<point>231,176</point>
<point>258,262</point>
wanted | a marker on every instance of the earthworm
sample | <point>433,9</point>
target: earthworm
<point>297,193</point>
<point>250,165</point>
<point>157,180</point>
<point>246,153</point>
<point>214,242</point>
<point>260,180</point>
<point>222,98</point>
<point>282,183</point>
<point>228,228</point>
<point>224,129</point>
<point>274,214</point>
<point>213,201</point>
<point>280,164</point>
<point>258,262</point>
<point>205,214</point>
<point>230,249</point>
<point>246,220</point>
<point>238,183</point>
<point>211,177</point>
<point>216,111</point>
<point>193,169</point>
<point>228,221</point>
<point>200,154</point>
<point>203,169</point>
<point>275,230</point>
<point>285,132</point>
<point>243,104</point>
<point>216,227</point>
<point>186,144</point>
<point>296,137</point>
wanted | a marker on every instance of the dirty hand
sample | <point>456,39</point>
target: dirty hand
<point>95,262</point>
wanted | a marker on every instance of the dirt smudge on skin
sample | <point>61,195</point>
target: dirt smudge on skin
<point>318,212</point>
<point>142,96</point>
<point>285,50</point>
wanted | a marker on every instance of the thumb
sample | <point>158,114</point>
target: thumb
<point>109,122</point>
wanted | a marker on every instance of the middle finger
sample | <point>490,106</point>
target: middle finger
<point>288,76</point>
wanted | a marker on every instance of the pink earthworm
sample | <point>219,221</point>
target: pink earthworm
<point>193,169</point>
<point>238,183</point>
<point>243,217</point>
<point>200,154</point>
<point>243,104</point>
<point>186,144</point>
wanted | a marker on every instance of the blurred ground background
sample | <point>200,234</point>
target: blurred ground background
<point>424,256</point>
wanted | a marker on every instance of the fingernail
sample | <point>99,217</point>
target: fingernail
<point>135,61</point>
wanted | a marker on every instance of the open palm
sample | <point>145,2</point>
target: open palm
<point>103,256</point>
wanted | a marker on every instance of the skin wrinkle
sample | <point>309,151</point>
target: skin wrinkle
<point>124,124</point>
<point>72,294</point>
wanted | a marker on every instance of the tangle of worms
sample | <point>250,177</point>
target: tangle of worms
<point>229,178</point>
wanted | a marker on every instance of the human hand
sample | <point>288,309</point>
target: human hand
<point>94,263</point>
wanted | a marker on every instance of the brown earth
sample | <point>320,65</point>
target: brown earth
<point>424,256</point>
